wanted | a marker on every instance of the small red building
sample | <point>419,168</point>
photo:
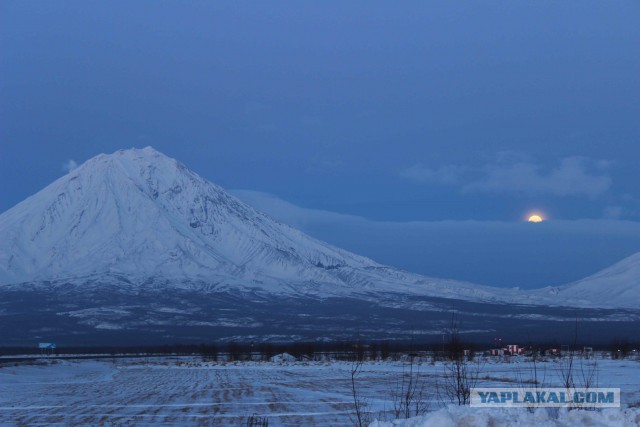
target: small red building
<point>515,349</point>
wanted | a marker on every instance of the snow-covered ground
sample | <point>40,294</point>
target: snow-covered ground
<point>188,391</point>
<point>455,416</point>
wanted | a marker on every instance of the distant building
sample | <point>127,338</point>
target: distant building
<point>510,350</point>
<point>554,352</point>
<point>515,349</point>
<point>46,347</point>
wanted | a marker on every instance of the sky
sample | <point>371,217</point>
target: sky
<point>421,134</point>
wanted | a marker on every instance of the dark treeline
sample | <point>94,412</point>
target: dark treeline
<point>343,350</point>
<point>232,350</point>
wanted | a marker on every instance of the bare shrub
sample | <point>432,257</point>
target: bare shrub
<point>537,375</point>
<point>409,396</point>
<point>362,417</point>
<point>460,373</point>
<point>575,371</point>
<point>257,421</point>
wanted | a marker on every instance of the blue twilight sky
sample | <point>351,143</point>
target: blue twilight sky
<point>419,133</point>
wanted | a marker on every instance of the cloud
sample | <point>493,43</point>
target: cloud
<point>449,174</point>
<point>325,165</point>
<point>613,212</point>
<point>573,177</point>
<point>496,253</point>
<point>69,165</point>
<point>289,213</point>
<point>515,173</point>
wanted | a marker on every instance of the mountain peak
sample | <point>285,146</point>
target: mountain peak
<point>142,214</point>
<point>145,151</point>
<point>146,155</point>
<point>615,286</point>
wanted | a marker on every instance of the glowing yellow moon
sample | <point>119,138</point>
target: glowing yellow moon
<point>535,218</point>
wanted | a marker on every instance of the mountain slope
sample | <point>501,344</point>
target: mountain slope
<point>140,214</point>
<point>139,217</point>
<point>133,247</point>
<point>615,286</point>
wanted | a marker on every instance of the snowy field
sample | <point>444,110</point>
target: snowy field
<point>189,391</point>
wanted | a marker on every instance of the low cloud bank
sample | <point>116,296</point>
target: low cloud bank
<point>496,253</point>
<point>515,173</point>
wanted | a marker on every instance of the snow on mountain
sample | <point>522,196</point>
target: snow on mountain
<point>140,214</point>
<point>137,216</point>
<point>616,286</point>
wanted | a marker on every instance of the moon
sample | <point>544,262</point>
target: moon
<point>535,218</point>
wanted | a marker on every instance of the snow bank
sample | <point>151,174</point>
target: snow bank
<point>283,357</point>
<point>455,416</point>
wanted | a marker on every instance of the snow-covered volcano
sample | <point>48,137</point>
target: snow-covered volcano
<point>616,286</point>
<point>140,214</point>
<point>133,246</point>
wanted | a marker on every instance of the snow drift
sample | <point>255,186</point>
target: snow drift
<point>454,416</point>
